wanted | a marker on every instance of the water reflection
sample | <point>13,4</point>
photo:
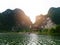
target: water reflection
<point>43,40</point>
<point>28,39</point>
<point>33,39</point>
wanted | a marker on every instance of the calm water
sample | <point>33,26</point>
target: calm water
<point>28,39</point>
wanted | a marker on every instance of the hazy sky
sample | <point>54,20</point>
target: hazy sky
<point>30,7</point>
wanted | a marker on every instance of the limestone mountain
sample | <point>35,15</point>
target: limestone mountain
<point>42,21</point>
<point>22,20</point>
<point>14,20</point>
<point>54,14</point>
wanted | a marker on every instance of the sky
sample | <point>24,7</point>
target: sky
<point>32,8</point>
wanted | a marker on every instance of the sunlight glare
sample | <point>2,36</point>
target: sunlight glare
<point>33,39</point>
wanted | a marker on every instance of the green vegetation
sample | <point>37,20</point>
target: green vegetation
<point>52,31</point>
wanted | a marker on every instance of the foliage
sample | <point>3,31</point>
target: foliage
<point>52,31</point>
<point>55,31</point>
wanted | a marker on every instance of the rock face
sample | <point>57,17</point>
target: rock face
<point>22,21</point>
<point>54,14</point>
<point>14,20</point>
<point>42,21</point>
<point>7,19</point>
<point>49,20</point>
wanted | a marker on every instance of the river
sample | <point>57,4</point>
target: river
<point>28,39</point>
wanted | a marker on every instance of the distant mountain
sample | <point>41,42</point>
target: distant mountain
<point>39,22</point>
<point>42,21</point>
<point>54,14</point>
<point>22,21</point>
<point>49,20</point>
<point>7,19</point>
<point>14,20</point>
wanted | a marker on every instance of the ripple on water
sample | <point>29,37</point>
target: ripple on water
<point>28,39</point>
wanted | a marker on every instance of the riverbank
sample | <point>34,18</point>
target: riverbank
<point>38,33</point>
